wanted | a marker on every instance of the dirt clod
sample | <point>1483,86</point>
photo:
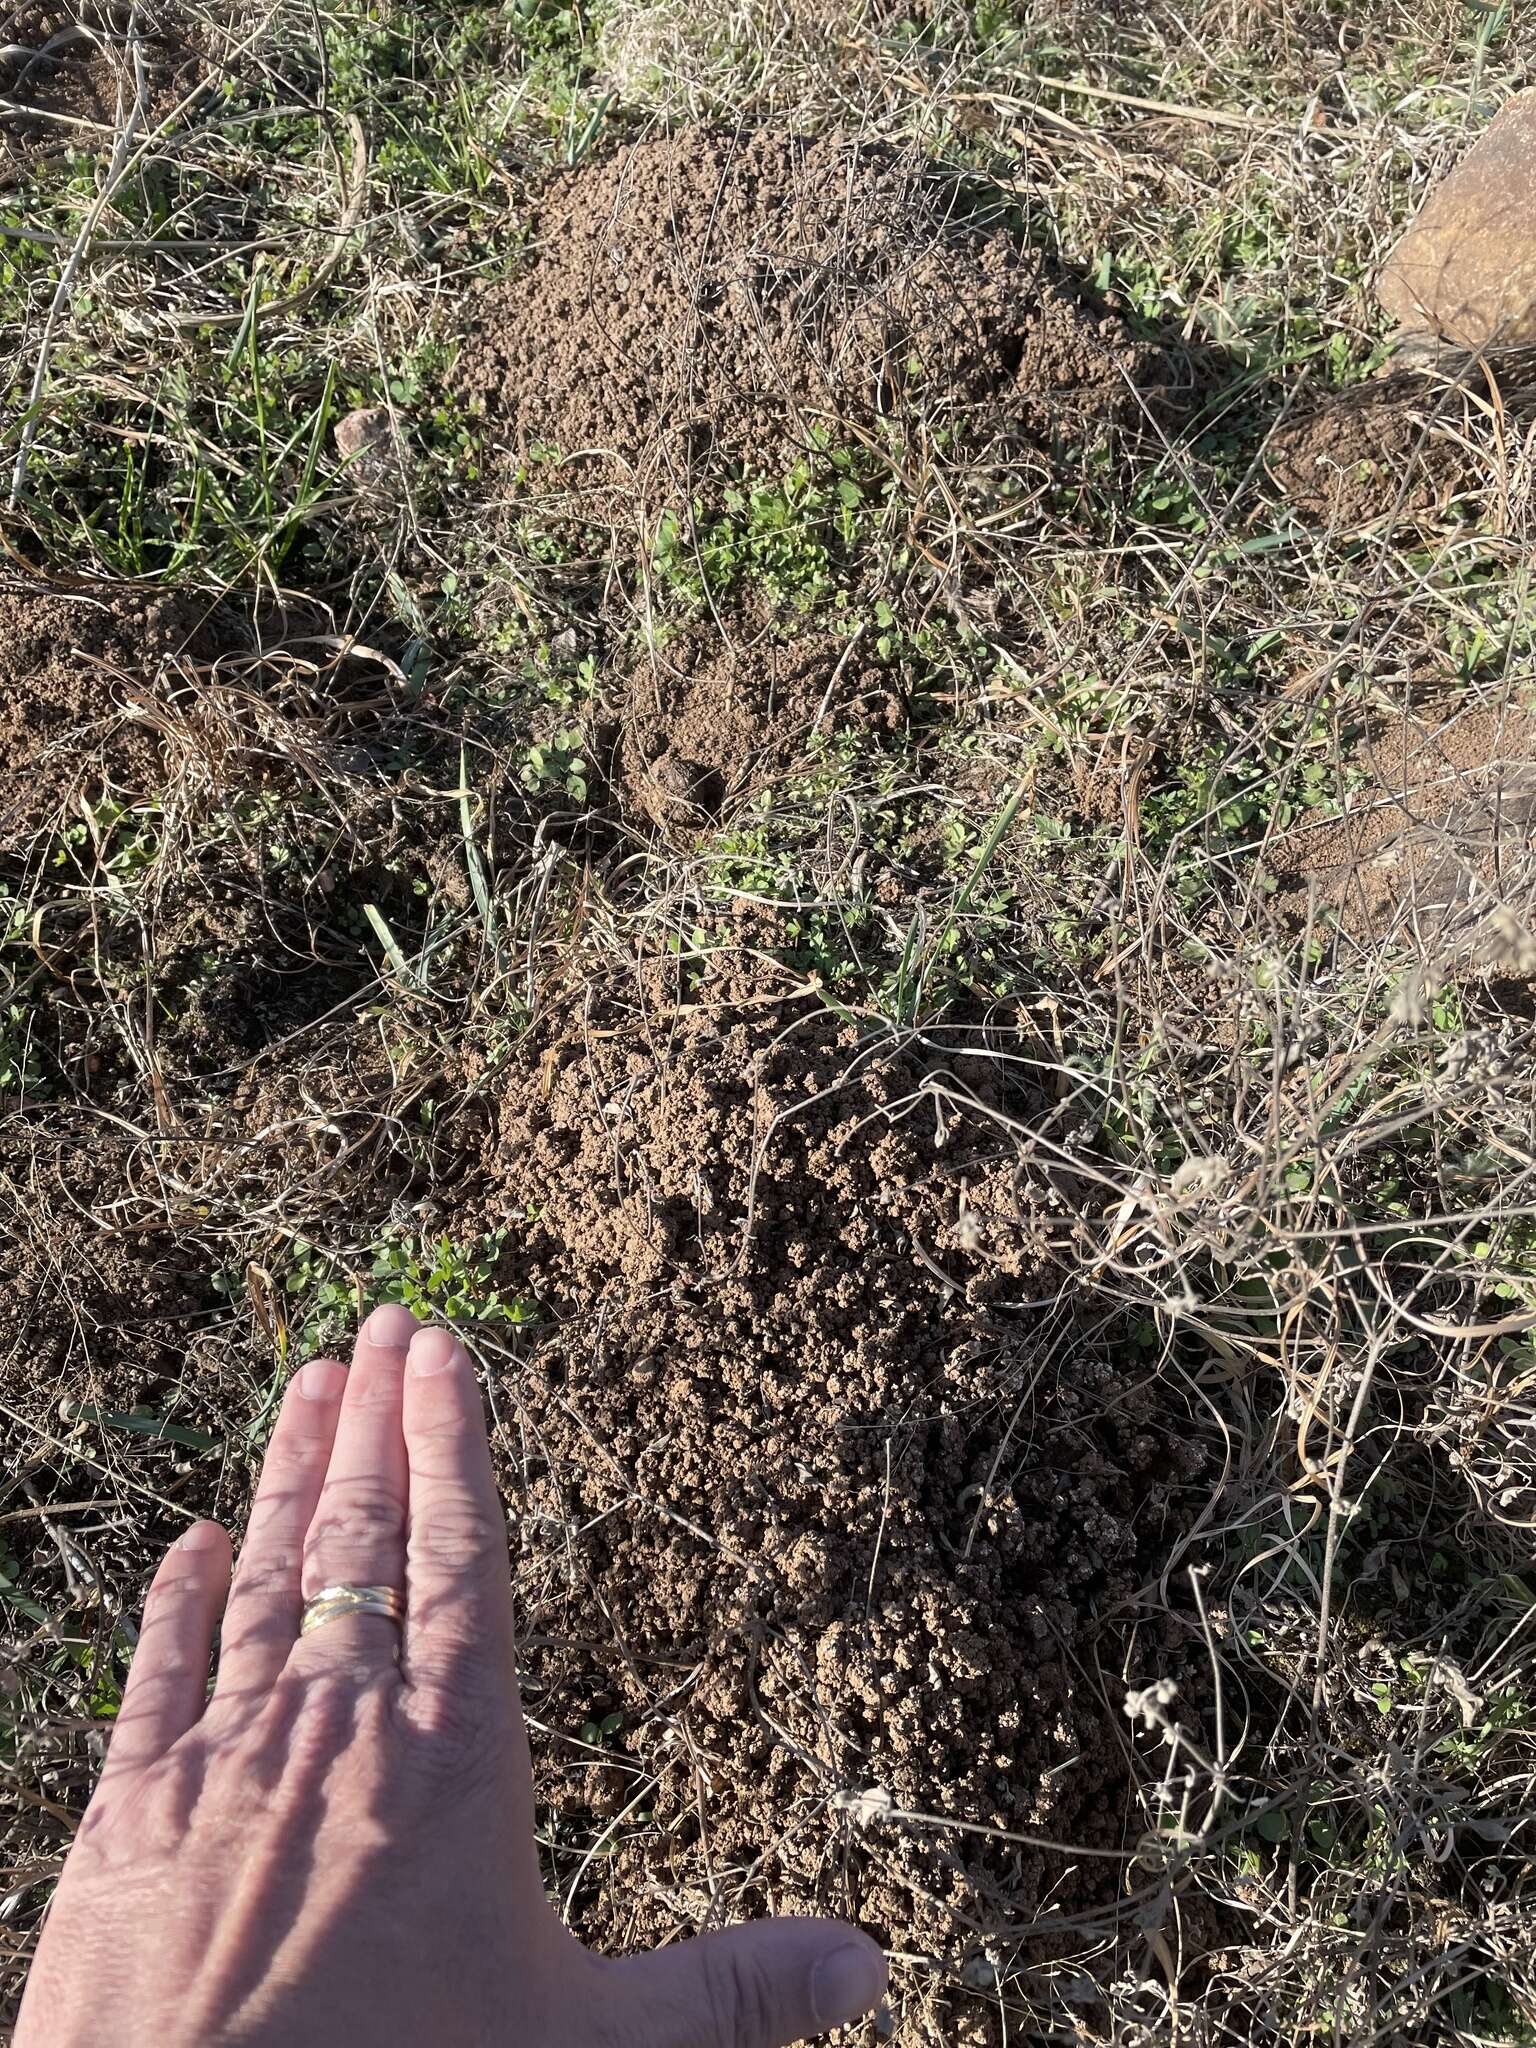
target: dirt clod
<point>365,441</point>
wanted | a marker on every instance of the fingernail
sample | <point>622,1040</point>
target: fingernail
<point>322,1379</point>
<point>391,1326</point>
<point>431,1351</point>
<point>846,1983</point>
<point>201,1536</point>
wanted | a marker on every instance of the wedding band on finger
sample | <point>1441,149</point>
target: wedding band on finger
<point>331,1603</point>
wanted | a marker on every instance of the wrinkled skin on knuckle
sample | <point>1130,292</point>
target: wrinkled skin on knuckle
<point>167,1680</point>
<point>369,1387</point>
<point>265,1575</point>
<point>275,1507</point>
<point>291,1457</point>
<point>457,1720</point>
<point>310,1721</point>
<point>331,1762</point>
<point>269,1752</point>
<point>458,1536</point>
<point>355,1514</point>
<point>169,1601</point>
<point>264,1609</point>
<point>455,1697</point>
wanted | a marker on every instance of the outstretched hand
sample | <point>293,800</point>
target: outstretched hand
<point>338,1843</point>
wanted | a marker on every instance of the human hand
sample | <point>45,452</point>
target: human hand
<point>338,1845</point>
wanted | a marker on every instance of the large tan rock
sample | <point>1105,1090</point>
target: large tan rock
<point>1465,271</point>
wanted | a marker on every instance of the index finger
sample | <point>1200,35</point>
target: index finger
<point>458,1576</point>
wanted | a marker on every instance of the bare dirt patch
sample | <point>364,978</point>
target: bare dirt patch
<point>74,76</point>
<point>812,1499</point>
<point>149,755</point>
<point>1439,849</point>
<point>707,298</point>
<point>74,689</point>
<point>1399,448</point>
<point>713,712</point>
<point>102,1304</point>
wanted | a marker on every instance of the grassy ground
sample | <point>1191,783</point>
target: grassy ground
<point>1297,1148</point>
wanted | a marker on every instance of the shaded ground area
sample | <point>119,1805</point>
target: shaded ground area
<point>74,75</point>
<point>191,894</point>
<point>137,1289</point>
<point>180,906</point>
<point>75,686</point>
<point>858,1505</point>
<point>708,299</point>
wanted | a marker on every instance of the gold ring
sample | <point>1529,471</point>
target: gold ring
<point>332,1602</point>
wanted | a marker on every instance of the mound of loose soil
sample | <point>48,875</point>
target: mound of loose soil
<point>709,298</point>
<point>1397,448</point>
<point>813,1499</point>
<point>718,708</point>
<point>1440,847</point>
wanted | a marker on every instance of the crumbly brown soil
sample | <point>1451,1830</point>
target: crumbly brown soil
<point>713,712</point>
<point>72,72</point>
<point>1439,849</point>
<point>1399,448</point>
<point>76,682</point>
<point>809,1497</point>
<point>706,298</point>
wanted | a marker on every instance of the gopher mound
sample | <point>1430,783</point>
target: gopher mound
<point>1439,848</point>
<point>710,299</point>
<point>1400,448</point>
<point>714,711</point>
<point>826,1524</point>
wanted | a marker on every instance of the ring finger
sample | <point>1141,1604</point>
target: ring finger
<point>357,1535</point>
<point>262,1617</point>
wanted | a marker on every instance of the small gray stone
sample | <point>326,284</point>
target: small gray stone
<point>1465,271</point>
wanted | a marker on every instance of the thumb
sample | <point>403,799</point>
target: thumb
<point>763,1985</point>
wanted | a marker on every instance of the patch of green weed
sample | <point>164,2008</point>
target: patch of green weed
<point>324,1296</point>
